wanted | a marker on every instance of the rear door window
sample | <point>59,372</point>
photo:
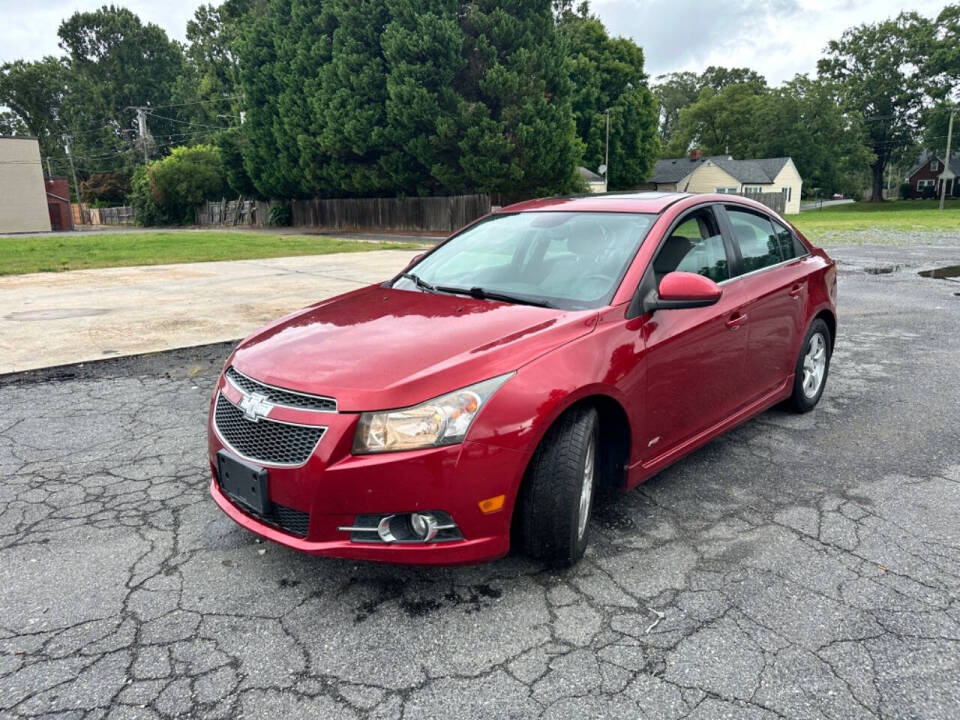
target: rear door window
<point>789,244</point>
<point>754,234</point>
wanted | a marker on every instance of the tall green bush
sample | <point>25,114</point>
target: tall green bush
<point>185,178</point>
<point>167,191</point>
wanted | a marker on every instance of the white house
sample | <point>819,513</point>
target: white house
<point>595,183</point>
<point>722,174</point>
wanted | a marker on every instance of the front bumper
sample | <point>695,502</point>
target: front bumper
<point>334,486</point>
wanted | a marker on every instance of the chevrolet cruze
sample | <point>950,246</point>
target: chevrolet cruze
<point>483,394</point>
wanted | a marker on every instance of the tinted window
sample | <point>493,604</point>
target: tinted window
<point>572,260</point>
<point>790,246</point>
<point>759,246</point>
<point>696,246</point>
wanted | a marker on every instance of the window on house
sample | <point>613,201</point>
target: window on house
<point>727,190</point>
<point>787,192</point>
<point>934,165</point>
<point>752,189</point>
<point>921,184</point>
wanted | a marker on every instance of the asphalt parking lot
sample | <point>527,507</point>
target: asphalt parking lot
<point>799,567</point>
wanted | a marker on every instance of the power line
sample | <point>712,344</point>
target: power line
<point>183,122</point>
<point>196,102</point>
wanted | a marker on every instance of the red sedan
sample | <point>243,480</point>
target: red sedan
<point>486,391</point>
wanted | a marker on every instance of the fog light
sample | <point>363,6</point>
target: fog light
<point>424,526</point>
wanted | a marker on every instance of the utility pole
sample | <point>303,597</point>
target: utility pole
<point>943,182</point>
<point>143,131</point>
<point>76,186</point>
<point>606,158</point>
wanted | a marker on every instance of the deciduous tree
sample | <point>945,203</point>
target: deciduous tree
<point>874,67</point>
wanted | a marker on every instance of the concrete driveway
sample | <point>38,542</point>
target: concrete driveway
<point>798,567</point>
<point>52,319</point>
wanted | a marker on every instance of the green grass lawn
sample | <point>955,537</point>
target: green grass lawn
<point>96,250</point>
<point>865,222</point>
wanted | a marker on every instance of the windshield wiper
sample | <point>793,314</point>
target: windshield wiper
<point>482,294</point>
<point>419,282</point>
<point>476,292</point>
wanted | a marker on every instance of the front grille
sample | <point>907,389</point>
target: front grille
<point>266,441</point>
<point>278,396</point>
<point>295,522</point>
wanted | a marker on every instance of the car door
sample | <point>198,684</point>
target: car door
<point>694,357</point>
<point>771,277</point>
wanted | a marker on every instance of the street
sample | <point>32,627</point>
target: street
<point>798,567</point>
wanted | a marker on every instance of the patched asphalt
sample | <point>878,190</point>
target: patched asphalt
<point>798,567</point>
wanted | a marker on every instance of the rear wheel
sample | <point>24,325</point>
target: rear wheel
<point>558,492</point>
<point>810,374</point>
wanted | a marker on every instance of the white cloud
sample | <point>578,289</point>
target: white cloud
<point>778,38</point>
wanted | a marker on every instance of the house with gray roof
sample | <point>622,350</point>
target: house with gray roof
<point>723,174</point>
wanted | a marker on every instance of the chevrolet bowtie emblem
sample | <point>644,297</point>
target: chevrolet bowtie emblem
<point>255,406</point>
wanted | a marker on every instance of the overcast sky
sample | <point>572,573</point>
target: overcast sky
<point>778,38</point>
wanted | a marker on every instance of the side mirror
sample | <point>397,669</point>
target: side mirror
<point>680,290</point>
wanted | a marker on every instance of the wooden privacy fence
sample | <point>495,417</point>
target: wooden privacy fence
<point>437,214</point>
<point>81,213</point>
<point>124,215</point>
<point>416,214</point>
<point>776,201</point>
<point>253,213</point>
<point>86,215</point>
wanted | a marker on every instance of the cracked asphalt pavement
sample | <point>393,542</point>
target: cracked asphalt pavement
<point>798,567</point>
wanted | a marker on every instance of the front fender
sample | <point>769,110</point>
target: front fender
<point>608,362</point>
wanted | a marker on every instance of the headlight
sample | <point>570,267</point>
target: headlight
<point>442,421</point>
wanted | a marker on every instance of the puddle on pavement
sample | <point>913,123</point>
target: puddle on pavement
<point>881,270</point>
<point>56,314</point>
<point>944,273</point>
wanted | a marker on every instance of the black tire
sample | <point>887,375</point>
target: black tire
<point>800,401</point>
<point>550,502</point>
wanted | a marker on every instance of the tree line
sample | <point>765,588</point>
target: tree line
<point>307,98</point>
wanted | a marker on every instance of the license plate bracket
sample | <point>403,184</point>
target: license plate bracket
<point>243,483</point>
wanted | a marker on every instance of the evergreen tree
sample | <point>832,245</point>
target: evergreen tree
<point>515,129</point>
<point>423,49</point>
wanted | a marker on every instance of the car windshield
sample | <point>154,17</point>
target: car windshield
<point>569,260</point>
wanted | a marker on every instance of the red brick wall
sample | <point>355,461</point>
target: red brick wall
<point>58,188</point>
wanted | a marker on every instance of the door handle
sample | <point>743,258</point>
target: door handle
<point>795,292</point>
<point>736,321</point>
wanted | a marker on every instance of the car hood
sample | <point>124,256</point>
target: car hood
<point>379,348</point>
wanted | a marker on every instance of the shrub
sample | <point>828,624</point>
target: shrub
<point>187,177</point>
<point>928,192</point>
<point>141,198</point>
<point>906,190</point>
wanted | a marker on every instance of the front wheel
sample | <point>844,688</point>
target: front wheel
<point>558,492</point>
<point>810,374</point>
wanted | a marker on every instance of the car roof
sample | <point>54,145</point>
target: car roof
<point>637,202</point>
<point>653,203</point>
